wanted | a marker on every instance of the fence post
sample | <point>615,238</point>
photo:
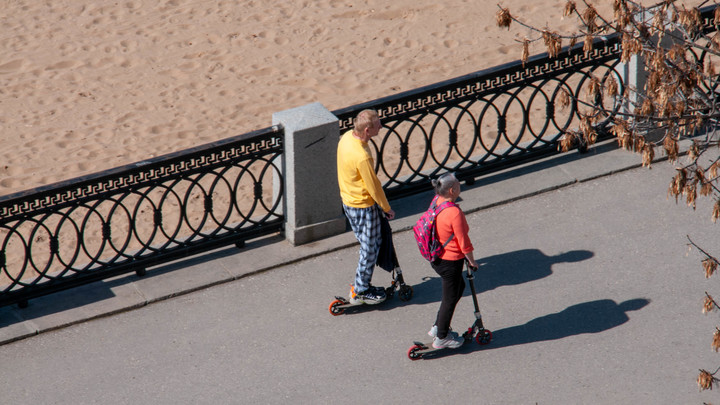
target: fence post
<point>313,209</point>
<point>636,76</point>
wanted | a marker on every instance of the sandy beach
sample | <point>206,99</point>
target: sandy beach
<point>90,85</point>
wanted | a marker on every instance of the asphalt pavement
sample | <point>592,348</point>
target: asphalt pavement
<point>585,281</point>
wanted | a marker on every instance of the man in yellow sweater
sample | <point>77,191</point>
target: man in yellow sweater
<point>363,201</point>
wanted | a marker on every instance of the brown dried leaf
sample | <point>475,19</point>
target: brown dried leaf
<point>671,148</point>
<point>638,143</point>
<point>525,51</point>
<point>589,15</point>
<point>709,265</point>
<point>589,134</point>
<point>617,4</point>
<point>553,42</point>
<point>648,155</point>
<point>716,340</point>
<point>659,20</point>
<point>676,53</point>
<point>690,192</point>
<point>630,46</point>
<point>626,141</point>
<point>620,130</point>
<point>705,188</point>
<point>677,185</point>
<point>713,171</point>
<point>569,8</point>
<point>666,108</point>
<point>690,19</point>
<point>567,141</point>
<point>694,151</point>
<point>705,380</point>
<point>653,82</point>
<point>503,18</point>
<point>590,137</point>
<point>716,211</point>
<point>563,98</point>
<point>621,19</point>
<point>588,44</point>
<point>611,87</point>
<point>647,108</point>
<point>708,305</point>
<point>594,87</point>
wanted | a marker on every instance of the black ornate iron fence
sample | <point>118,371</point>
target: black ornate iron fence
<point>485,121</point>
<point>132,217</point>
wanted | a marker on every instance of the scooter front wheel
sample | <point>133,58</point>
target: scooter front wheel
<point>483,337</point>
<point>335,309</point>
<point>413,352</point>
<point>406,292</point>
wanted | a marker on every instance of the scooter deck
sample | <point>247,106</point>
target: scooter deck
<point>340,304</point>
<point>419,349</point>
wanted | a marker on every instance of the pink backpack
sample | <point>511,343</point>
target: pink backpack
<point>426,234</point>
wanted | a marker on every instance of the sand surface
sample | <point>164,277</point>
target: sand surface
<point>90,85</point>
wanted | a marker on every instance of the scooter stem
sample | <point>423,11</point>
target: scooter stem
<point>471,281</point>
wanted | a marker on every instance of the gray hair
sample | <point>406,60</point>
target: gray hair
<point>444,184</point>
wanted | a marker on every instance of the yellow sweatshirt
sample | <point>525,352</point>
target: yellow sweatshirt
<point>359,185</point>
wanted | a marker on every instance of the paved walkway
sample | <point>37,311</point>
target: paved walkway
<point>585,285</point>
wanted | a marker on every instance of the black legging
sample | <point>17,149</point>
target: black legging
<point>453,286</point>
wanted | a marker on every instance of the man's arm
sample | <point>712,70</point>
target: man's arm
<point>374,188</point>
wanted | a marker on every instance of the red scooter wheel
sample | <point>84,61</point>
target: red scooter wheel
<point>413,352</point>
<point>334,310</point>
<point>483,337</point>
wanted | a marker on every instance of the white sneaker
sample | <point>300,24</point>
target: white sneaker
<point>433,332</point>
<point>450,342</point>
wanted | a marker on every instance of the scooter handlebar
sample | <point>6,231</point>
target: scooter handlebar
<point>470,266</point>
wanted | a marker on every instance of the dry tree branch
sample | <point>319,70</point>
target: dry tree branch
<point>710,263</point>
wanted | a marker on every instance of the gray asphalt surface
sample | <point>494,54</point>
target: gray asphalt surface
<point>585,281</point>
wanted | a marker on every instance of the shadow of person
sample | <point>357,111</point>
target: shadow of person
<point>509,268</point>
<point>588,317</point>
<point>520,266</point>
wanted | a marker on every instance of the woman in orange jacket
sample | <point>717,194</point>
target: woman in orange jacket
<point>451,225</point>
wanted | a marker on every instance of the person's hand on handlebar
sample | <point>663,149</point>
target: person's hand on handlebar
<point>470,260</point>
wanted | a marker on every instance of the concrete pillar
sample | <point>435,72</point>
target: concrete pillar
<point>636,77</point>
<point>312,204</point>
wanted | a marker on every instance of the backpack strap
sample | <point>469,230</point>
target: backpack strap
<point>452,235</point>
<point>437,211</point>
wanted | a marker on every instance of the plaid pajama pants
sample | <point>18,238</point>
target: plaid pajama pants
<point>365,223</point>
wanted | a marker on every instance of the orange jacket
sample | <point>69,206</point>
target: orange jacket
<point>451,220</point>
